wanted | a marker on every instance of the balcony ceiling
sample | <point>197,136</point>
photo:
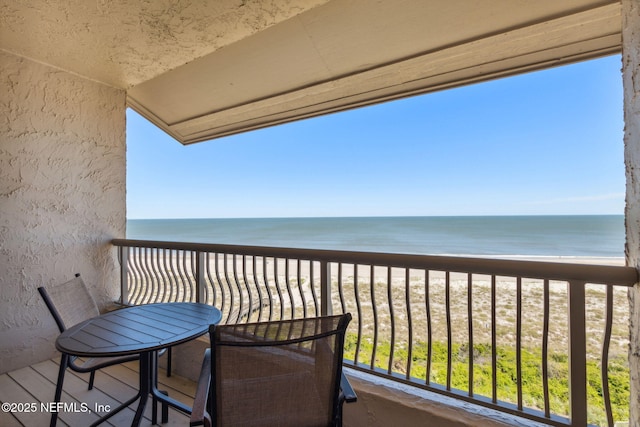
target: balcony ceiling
<point>204,69</point>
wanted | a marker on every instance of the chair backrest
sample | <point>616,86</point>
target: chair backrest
<point>284,373</point>
<point>69,303</point>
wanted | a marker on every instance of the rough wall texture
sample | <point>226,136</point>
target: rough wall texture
<point>62,197</point>
<point>631,79</point>
<point>125,42</point>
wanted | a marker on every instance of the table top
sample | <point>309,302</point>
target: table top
<point>136,329</point>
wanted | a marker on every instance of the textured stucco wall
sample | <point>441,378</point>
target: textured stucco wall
<point>62,196</point>
<point>126,42</point>
<point>631,79</point>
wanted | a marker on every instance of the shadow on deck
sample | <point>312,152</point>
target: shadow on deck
<point>31,389</point>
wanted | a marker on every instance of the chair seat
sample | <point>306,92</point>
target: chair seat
<point>277,373</point>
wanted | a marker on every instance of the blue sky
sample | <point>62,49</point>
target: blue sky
<point>543,143</point>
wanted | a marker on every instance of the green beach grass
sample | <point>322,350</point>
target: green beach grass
<point>532,388</point>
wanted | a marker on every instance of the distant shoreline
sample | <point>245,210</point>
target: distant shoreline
<point>377,217</point>
<point>595,260</point>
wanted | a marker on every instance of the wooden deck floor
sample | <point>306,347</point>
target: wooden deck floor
<point>113,385</point>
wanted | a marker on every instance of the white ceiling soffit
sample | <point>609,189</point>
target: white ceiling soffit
<point>351,53</point>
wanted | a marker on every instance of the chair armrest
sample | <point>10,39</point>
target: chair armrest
<point>348,392</point>
<point>199,414</point>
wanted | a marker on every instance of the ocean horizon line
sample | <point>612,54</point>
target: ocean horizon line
<point>537,235</point>
<point>388,216</point>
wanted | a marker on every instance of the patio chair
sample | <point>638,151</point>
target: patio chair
<point>279,373</point>
<point>71,303</point>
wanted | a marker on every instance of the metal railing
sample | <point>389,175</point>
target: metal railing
<point>521,337</point>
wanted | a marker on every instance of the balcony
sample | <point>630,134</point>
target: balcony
<point>500,341</point>
<point>544,342</point>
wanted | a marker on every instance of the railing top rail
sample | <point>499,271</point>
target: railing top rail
<point>571,272</point>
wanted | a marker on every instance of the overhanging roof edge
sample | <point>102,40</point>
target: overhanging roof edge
<point>544,45</point>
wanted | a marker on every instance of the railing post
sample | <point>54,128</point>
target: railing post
<point>124,270</point>
<point>325,289</point>
<point>577,354</point>
<point>200,277</point>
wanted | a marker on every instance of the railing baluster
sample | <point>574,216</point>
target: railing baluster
<point>164,276</point>
<point>225,271</point>
<point>211,294</point>
<point>287,281</point>
<point>193,275</point>
<point>157,284</point>
<point>519,340</point>
<point>258,290</point>
<point>375,318</point>
<point>300,288</point>
<point>278,287</point>
<point>341,289</point>
<point>577,353</point>
<point>545,349</point>
<point>392,321</point>
<point>447,299</point>
<point>131,278</point>
<point>134,277</point>
<point>181,267</point>
<point>139,279</point>
<point>326,308</point>
<point>266,285</point>
<point>494,345</point>
<point>312,283</point>
<point>407,291</point>
<point>124,273</point>
<point>183,274</point>
<point>223,293</point>
<point>605,355</point>
<point>148,278</point>
<point>245,278</point>
<point>236,280</point>
<point>356,292</point>
<point>200,277</point>
<point>427,297</point>
<point>188,270</point>
<point>172,276</point>
<point>470,329</point>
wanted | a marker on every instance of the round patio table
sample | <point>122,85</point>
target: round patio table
<point>142,329</point>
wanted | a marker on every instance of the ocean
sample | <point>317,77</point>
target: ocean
<point>530,236</point>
